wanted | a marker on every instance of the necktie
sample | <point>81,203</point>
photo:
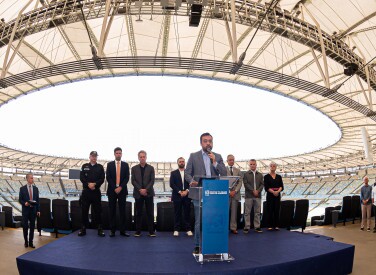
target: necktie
<point>30,193</point>
<point>231,171</point>
<point>118,173</point>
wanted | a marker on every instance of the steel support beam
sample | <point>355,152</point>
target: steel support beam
<point>7,62</point>
<point>102,39</point>
<point>323,48</point>
<point>166,35</point>
<point>249,13</point>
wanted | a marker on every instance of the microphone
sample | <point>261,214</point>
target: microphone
<point>209,152</point>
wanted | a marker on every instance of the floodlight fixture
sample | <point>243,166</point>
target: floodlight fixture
<point>350,69</point>
<point>195,15</point>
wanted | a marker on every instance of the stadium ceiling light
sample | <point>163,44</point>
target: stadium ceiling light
<point>195,15</point>
<point>171,4</point>
<point>350,69</point>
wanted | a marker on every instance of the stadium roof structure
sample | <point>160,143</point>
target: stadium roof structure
<point>298,49</point>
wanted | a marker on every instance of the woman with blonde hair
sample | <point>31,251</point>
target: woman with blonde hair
<point>273,186</point>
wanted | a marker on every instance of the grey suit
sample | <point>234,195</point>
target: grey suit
<point>196,167</point>
<point>146,182</point>
<point>234,201</point>
<point>250,199</point>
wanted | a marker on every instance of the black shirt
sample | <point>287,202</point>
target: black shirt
<point>142,172</point>
<point>92,173</point>
<point>275,184</point>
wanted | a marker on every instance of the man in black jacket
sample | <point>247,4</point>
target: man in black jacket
<point>117,175</point>
<point>180,190</point>
<point>92,177</point>
<point>143,177</point>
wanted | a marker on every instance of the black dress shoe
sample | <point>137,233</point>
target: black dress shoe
<point>82,232</point>
<point>26,245</point>
<point>112,234</point>
<point>137,234</point>
<point>31,245</point>
<point>101,233</point>
<point>196,250</point>
<point>125,234</point>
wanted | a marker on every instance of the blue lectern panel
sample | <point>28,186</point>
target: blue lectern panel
<point>215,216</point>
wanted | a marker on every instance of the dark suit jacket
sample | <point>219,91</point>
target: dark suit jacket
<point>147,183</point>
<point>24,197</point>
<point>111,177</point>
<point>176,184</point>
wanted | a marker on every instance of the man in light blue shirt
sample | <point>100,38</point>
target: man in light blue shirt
<point>366,203</point>
<point>203,163</point>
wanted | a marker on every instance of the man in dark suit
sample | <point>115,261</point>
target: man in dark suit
<point>29,199</point>
<point>180,190</point>
<point>203,163</point>
<point>117,175</point>
<point>143,177</point>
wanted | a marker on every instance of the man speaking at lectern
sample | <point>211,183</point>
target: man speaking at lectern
<point>203,163</point>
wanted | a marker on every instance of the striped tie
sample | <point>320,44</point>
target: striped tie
<point>30,194</point>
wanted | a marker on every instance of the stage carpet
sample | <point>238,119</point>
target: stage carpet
<point>281,252</point>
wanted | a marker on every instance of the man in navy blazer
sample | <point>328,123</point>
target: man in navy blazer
<point>203,163</point>
<point>117,175</point>
<point>180,190</point>
<point>29,199</point>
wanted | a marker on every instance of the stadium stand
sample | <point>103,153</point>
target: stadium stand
<point>320,192</point>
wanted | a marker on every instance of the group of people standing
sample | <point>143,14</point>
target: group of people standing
<point>209,164</point>
<point>92,176</point>
<point>202,163</point>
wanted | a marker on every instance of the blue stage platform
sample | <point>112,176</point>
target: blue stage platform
<point>281,252</point>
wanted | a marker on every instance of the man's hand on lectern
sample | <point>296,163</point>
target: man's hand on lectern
<point>193,183</point>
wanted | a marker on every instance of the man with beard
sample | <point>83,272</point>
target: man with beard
<point>203,163</point>
<point>117,175</point>
<point>180,190</point>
